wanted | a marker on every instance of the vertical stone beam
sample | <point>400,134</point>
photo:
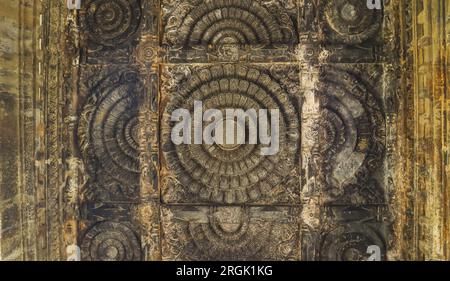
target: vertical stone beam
<point>21,119</point>
<point>149,207</point>
<point>147,57</point>
<point>446,132</point>
<point>307,53</point>
<point>311,184</point>
<point>430,100</point>
<point>11,247</point>
<point>405,227</point>
<point>30,115</point>
<point>53,124</point>
<point>74,178</point>
<point>392,94</point>
<point>437,205</point>
<point>54,21</point>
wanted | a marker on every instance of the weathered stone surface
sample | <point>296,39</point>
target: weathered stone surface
<point>86,155</point>
<point>230,233</point>
<point>241,175</point>
<point>10,222</point>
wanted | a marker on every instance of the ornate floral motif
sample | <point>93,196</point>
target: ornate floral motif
<point>350,243</point>
<point>108,133</point>
<point>350,22</point>
<point>110,241</point>
<point>350,130</point>
<point>234,54</point>
<point>112,22</point>
<point>110,30</point>
<point>238,174</point>
<point>147,53</point>
<point>230,233</point>
<point>203,22</point>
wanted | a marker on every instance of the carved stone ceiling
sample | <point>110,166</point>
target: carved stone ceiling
<point>130,193</point>
<point>319,63</point>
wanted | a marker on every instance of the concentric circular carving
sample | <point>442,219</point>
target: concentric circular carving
<point>230,235</point>
<point>109,132</point>
<point>112,22</point>
<point>350,128</point>
<point>351,21</point>
<point>146,53</point>
<point>110,241</point>
<point>236,173</point>
<point>350,244</point>
<point>230,22</point>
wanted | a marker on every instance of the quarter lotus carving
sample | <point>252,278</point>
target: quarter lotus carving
<point>110,241</point>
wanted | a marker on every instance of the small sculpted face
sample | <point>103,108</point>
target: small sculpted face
<point>229,218</point>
